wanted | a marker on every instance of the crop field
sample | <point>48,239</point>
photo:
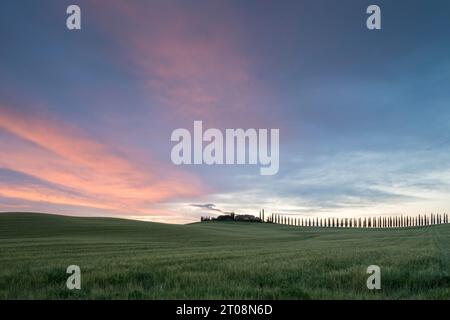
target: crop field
<point>124,259</point>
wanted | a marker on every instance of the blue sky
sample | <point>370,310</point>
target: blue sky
<point>86,116</point>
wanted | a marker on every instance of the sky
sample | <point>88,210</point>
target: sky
<point>86,116</point>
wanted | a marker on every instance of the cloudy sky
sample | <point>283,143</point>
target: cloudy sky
<point>86,116</point>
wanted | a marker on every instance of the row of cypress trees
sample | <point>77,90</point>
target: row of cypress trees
<point>361,222</point>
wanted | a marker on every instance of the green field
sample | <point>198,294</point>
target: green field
<point>122,259</point>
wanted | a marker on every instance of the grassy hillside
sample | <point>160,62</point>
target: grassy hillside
<point>140,260</point>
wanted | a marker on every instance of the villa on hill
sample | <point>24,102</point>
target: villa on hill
<point>233,217</point>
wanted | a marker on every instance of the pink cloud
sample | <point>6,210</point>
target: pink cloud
<point>192,64</point>
<point>86,172</point>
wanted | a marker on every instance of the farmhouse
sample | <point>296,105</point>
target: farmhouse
<point>233,217</point>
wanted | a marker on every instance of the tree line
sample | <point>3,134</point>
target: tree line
<point>401,221</point>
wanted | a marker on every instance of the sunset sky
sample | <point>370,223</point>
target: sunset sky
<point>86,116</point>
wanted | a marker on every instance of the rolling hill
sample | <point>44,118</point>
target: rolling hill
<point>125,259</point>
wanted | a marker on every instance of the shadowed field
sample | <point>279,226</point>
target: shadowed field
<point>123,259</point>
